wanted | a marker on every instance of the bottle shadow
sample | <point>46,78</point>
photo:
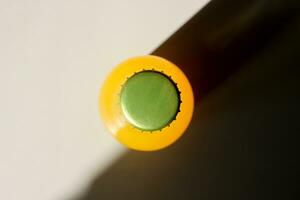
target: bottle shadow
<point>241,58</point>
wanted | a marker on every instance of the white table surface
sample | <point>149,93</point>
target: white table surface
<point>54,55</point>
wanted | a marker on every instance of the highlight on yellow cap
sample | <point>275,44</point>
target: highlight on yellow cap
<point>146,103</point>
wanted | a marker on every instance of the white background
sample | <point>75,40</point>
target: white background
<point>54,55</point>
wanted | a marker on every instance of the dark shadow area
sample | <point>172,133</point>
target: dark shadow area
<point>243,140</point>
<point>224,36</point>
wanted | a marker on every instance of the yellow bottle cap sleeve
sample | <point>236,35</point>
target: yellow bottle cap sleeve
<point>146,103</point>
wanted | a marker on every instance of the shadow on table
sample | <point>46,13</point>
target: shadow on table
<point>242,58</point>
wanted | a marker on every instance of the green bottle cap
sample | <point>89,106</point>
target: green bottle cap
<point>150,100</point>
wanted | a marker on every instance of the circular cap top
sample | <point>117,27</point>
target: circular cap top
<point>149,100</point>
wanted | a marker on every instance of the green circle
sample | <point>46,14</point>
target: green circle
<point>149,100</point>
